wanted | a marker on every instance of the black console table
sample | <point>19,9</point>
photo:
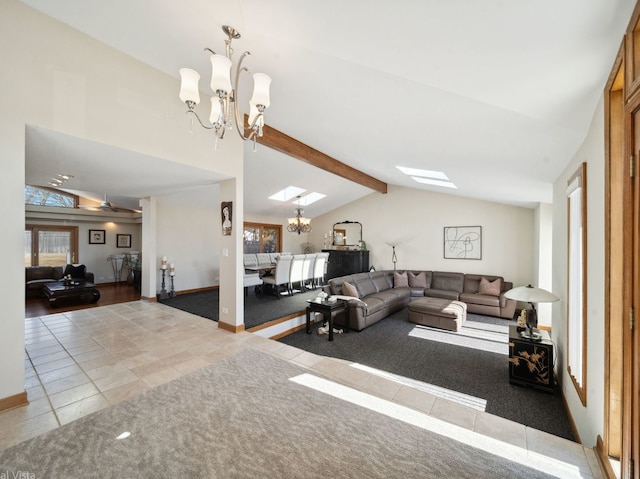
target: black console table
<point>344,262</point>
<point>531,360</point>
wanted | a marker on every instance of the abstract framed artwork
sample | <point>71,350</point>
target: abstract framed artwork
<point>463,242</point>
<point>123,241</point>
<point>97,236</point>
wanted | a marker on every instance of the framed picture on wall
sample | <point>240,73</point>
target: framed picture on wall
<point>226,210</point>
<point>463,242</point>
<point>123,241</point>
<point>96,236</point>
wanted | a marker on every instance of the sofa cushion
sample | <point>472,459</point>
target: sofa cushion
<point>349,290</point>
<point>380,281</point>
<point>374,305</point>
<point>418,280</point>
<point>400,280</point>
<point>365,286</point>
<point>490,287</point>
<point>483,299</point>
<point>442,293</point>
<point>447,281</point>
<point>43,272</point>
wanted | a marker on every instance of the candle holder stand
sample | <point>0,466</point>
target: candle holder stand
<point>163,291</point>
<point>172,293</point>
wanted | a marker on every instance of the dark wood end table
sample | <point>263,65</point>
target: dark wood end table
<point>531,360</point>
<point>329,309</point>
<point>61,290</point>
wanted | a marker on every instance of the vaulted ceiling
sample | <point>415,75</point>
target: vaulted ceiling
<point>496,94</point>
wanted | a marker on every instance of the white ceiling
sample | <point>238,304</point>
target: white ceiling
<point>498,94</point>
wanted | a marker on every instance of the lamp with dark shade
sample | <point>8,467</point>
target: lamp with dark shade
<point>531,295</point>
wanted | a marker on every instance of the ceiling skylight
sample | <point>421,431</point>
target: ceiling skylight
<point>286,194</point>
<point>430,181</point>
<point>429,177</point>
<point>436,175</point>
<point>308,199</point>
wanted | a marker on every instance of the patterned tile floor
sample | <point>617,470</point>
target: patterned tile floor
<point>82,361</point>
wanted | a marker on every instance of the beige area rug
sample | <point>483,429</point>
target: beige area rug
<point>245,417</point>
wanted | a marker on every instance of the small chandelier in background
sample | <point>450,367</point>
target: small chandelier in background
<point>226,93</point>
<point>299,224</point>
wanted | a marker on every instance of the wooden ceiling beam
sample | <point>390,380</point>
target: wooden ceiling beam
<point>283,143</point>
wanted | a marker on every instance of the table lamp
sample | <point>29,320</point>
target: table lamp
<point>531,295</point>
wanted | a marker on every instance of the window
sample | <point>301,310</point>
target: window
<point>577,281</point>
<point>34,195</point>
<point>262,238</point>
<point>50,245</point>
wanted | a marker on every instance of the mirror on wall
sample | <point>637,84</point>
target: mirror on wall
<point>347,233</point>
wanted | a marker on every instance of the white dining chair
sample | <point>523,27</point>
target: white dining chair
<point>319,269</point>
<point>252,279</point>
<point>295,274</point>
<point>280,276</point>
<point>307,269</point>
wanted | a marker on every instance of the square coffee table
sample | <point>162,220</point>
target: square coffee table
<point>73,290</point>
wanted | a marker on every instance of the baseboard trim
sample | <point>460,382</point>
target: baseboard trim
<point>277,321</point>
<point>188,291</point>
<point>572,423</point>
<point>288,332</point>
<point>16,400</point>
<point>231,327</point>
<point>603,459</point>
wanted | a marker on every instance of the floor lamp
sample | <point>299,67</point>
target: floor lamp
<point>531,295</point>
<point>394,258</point>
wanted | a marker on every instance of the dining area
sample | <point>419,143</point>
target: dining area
<point>283,273</point>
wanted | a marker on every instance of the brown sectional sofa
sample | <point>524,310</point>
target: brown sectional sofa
<point>379,296</point>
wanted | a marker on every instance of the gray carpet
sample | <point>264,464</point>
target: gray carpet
<point>244,418</point>
<point>257,310</point>
<point>455,361</point>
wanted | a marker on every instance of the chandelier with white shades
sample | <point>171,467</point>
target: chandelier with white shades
<point>225,93</point>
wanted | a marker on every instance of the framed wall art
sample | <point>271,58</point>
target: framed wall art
<point>123,241</point>
<point>96,236</point>
<point>463,242</point>
<point>226,210</point>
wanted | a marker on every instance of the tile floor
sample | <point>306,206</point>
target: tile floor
<point>82,361</point>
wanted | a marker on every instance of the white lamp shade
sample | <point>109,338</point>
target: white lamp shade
<point>530,294</point>
<point>261,83</point>
<point>215,110</point>
<point>189,85</point>
<point>220,73</point>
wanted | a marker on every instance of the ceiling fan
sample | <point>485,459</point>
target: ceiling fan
<point>105,205</point>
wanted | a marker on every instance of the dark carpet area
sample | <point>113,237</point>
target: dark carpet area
<point>257,310</point>
<point>388,346</point>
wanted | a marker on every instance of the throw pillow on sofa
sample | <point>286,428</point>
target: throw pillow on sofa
<point>76,271</point>
<point>400,280</point>
<point>349,290</point>
<point>490,287</point>
<point>417,280</point>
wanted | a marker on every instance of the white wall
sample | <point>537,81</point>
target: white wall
<point>416,219</point>
<point>195,255</point>
<point>57,78</point>
<point>589,420</point>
